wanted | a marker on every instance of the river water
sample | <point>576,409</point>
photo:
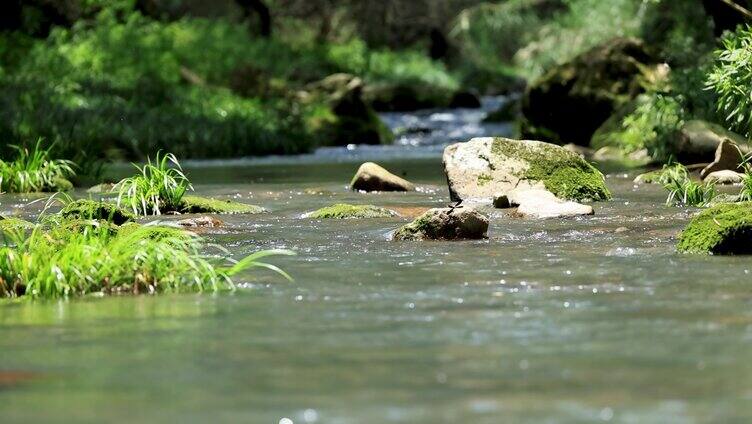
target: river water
<point>595,319</point>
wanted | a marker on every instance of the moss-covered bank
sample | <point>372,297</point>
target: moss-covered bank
<point>721,230</point>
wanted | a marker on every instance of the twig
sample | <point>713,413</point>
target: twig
<point>738,8</point>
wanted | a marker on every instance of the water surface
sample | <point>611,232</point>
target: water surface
<point>595,319</point>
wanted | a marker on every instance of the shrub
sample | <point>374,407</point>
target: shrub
<point>731,78</point>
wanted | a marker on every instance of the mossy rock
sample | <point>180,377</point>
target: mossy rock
<point>95,210</point>
<point>407,96</point>
<point>197,204</point>
<point>345,211</point>
<point>62,228</point>
<point>12,223</point>
<point>484,168</point>
<point>153,232</point>
<point>61,185</point>
<point>445,224</point>
<point>570,102</point>
<point>724,229</point>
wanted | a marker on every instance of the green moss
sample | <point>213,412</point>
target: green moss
<point>154,232</point>
<point>484,179</point>
<point>11,223</point>
<point>721,230</point>
<point>417,230</point>
<point>62,229</point>
<point>345,211</point>
<point>196,204</point>
<point>562,172</point>
<point>93,210</point>
<point>62,184</point>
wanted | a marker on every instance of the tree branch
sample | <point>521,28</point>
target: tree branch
<point>738,8</point>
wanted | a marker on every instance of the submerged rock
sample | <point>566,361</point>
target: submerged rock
<point>721,230</point>
<point>445,224</point>
<point>486,167</point>
<point>345,211</point>
<point>726,177</point>
<point>652,177</point>
<point>537,203</point>
<point>84,209</point>
<point>571,101</point>
<point>197,204</point>
<point>728,157</point>
<point>200,222</point>
<point>698,141</point>
<point>372,177</point>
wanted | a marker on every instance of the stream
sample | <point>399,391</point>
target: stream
<point>595,319</point>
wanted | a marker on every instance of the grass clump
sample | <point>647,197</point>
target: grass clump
<point>12,223</point>
<point>563,173</point>
<point>720,230</point>
<point>345,211</point>
<point>75,263</point>
<point>682,190</point>
<point>32,171</point>
<point>157,188</point>
<point>730,80</point>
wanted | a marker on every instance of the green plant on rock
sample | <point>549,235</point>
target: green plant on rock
<point>32,170</point>
<point>682,190</point>
<point>141,260</point>
<point>159,187</point>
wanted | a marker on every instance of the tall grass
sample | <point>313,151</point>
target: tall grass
<point>682,190</point>
<point>135,260</point>
<point>158,187</point>
<point>32,170</point>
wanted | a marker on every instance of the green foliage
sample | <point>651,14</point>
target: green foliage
<point>731,78</point>
<point>651,123</point>
<point>157,188</point>
<point>67,263</point>
<point>32,170</point>
<point>682,190</point>
<point>85,209</point>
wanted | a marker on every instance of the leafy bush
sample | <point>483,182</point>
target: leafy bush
<point>731,78</point>
<point>135,259</point>
<point>33,171</point>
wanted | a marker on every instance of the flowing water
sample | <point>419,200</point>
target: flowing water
<point>595,319</point>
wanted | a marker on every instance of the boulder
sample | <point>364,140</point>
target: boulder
<point>345,211</point>
<point>728,157</point>
<point>541,204</point>
<point>352,120</point>
<point>571,101</point>
<point>725,229</point>
<point>483,168</point>
<point>445,224</point>
<point>724,177</point>
<point>372,177</point>
<point>698,141</point>
<point>465,100</point>
<point>407,96</point>
<point>101,188</point>
<point>200,222</point>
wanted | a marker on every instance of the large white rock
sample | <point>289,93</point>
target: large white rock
<point>482,168</point>
<point>541,204</point>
